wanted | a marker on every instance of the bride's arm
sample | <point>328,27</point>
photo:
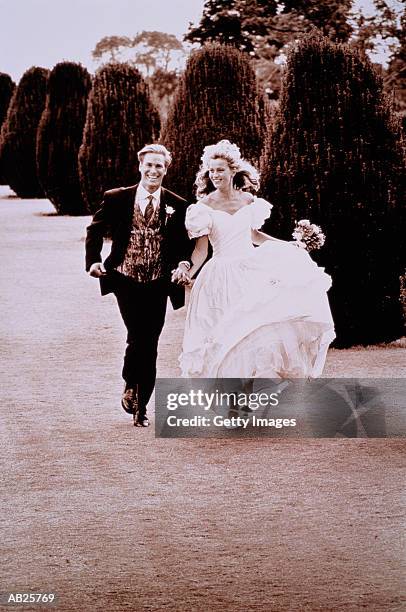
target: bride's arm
<point>198,257</point>
<point>258,237</point>
<point>199,254</point>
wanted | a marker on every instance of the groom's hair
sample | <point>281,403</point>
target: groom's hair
<point>155,148</point>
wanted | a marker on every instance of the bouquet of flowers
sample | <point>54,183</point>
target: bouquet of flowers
<point>309,234</point>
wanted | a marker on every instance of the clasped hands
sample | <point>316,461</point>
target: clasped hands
<point>181,275</point>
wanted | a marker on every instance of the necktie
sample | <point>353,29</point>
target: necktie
<point>149,210</point>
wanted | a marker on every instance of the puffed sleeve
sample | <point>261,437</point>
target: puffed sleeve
<point>198,220</point>
<point>261,210</point>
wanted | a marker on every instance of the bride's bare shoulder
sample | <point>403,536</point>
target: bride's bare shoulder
<point>246,198</point>
<point>206,200</point>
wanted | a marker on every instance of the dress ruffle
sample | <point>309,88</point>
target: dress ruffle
<point>198,220</point>
<point>291,349</point>
<point>261,210</point>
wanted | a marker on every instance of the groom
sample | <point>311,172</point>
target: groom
<point>146,223</point>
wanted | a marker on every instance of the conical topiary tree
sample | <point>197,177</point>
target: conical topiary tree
<point>7,87</point>
<point>335,156</point>
<point>60,134</point>
<point>217,98</point>
<point>120,120</point>
<point>19,132</point>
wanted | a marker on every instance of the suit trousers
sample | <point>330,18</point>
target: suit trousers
<point>142,307</point>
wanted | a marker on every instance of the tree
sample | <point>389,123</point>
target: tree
<point>380,25</point>
<point>120,120</point>
<point>112,45</point>
<point>265,29</point>
<point>148,51</point>
<point>217,98</point>
<point>159,57</point>
<point>7,87</point>
<point>163,86</point>
<point>252,24</point>
<point>335,156</point>
<point>60,135</point>
<point>234,22</point>
<point>330,17</point>
<point>395,76</point>
<point>157,51</point>
<point>19,132</point>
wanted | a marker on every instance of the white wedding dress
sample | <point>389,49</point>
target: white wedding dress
<point>254,312</point>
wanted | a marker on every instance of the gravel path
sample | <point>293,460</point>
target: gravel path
<point>110,518</point>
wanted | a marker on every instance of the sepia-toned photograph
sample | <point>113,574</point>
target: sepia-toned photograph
<point>203,305</point>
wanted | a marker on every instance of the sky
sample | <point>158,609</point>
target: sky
<point>45,32</point>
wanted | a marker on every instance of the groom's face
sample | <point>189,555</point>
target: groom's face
<point>153,170</point>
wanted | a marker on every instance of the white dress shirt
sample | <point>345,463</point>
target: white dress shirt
<point>142,198</point>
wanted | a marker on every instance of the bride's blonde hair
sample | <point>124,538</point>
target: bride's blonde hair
<point>245,177</point>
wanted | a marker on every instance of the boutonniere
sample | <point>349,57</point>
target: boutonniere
<point>168,213</point>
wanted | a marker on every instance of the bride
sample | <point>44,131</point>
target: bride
<point>253,312</point>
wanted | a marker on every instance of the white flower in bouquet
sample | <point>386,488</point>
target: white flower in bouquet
<point>309,234</point>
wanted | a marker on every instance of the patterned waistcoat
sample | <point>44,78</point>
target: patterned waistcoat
<point>143,258</point>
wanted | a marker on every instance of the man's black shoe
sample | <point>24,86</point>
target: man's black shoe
<point>129,401</point>
<point>141,421</point>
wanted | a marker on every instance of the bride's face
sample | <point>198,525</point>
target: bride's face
<point>220,173</point>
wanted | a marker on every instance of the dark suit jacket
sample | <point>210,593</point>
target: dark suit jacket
<point>115,218</point>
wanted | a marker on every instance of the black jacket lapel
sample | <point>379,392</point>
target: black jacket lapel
<point>129,204</point>
<point>162,208</point>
